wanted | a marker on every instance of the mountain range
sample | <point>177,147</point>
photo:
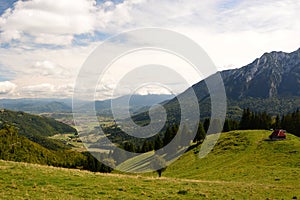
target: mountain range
<point>39,105</point>
<point>269,84</point>
<point>275,74</point>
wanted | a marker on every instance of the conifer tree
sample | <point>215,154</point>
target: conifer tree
<point>200,135</point>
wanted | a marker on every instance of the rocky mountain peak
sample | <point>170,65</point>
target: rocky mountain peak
<point>273,74</point>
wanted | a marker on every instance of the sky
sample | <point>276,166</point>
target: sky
<point>43,45</point>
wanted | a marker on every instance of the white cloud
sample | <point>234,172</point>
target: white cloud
<point>48,22</point>
<point>233,33</point>
<point>44,62</point>
<point>58,67</point>
<point>43,90</point>
<point>48,68</point>
<point>153,89</point>
<point>168,13</point>
<point>54,39</point>
<point>39,88</point>
<point>68,88</point>
<point>7,87</point>
<point>263,16</point>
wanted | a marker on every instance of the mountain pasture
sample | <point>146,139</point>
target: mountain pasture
<point>243,165</point>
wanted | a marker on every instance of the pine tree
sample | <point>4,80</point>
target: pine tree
<point>206,124</point>
<point>128,146</point>
<point>169,135</point>
<point>147,146</point>
<point>277,124</point>
<point>158,143</point>
<point>108,165</point>
<point>246,118</point>
<point>227,126</point>
<point>200,135</point>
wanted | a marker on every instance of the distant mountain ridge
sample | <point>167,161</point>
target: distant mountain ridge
<point>38,106</point>
<point>269,84</point>
<point>133,103</point>
<point>275,74</point>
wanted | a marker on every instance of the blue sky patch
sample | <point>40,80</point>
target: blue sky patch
<point>87,38</point>
<point>114,1</point>
<point>4,45</point>
<point>5,74</point>
<point>5,4</point>
<point>228,4</point>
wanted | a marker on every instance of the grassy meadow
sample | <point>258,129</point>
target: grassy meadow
<point>243,165</point>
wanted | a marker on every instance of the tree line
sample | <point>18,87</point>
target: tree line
<point>255,120</point>
<point>249,120</point>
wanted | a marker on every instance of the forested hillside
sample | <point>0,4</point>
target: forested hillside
<point>36,128</point>
<point>18,148</point>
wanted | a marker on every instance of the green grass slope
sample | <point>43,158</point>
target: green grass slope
<point>246,156</point>
<point>243,157</point>
<point>243,165</point>
<point>28,181</point>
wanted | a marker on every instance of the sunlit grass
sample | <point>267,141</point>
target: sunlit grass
<point>243,165</point>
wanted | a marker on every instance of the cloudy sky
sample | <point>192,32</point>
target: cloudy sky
<point>43,43</point>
